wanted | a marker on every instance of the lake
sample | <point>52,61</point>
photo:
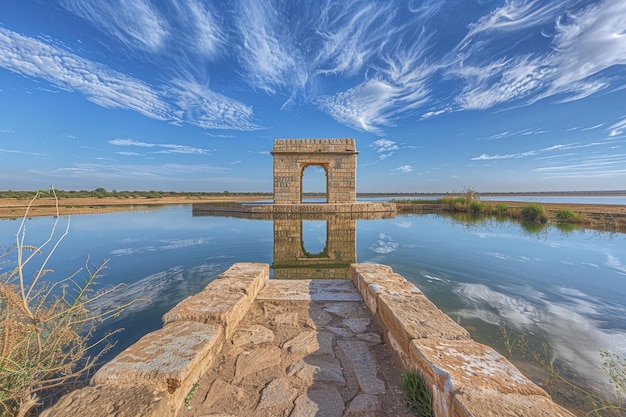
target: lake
<point>564,288</point>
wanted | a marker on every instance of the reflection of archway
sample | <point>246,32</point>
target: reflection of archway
<point>291,261</point>
<point>305,168</point>
<point>336,156</point>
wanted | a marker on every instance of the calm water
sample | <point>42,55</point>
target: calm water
<point>567,288</point>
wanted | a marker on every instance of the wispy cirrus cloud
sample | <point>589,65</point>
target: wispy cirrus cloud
<point>584,43</point>
<point>136,24</point>
<point>164,148</point>
<point>618,128</point>
<point>21,152</point>
<point>586,167</point>
<point>193,103</point>
<point>485,157</point>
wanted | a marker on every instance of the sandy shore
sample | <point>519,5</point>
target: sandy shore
<point>12,208</point>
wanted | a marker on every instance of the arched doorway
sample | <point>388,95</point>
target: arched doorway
<point>314,180</point>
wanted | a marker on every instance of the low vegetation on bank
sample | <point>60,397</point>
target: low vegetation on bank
<point>530,213</point>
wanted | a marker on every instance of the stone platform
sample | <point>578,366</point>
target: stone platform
<point>250,346</point>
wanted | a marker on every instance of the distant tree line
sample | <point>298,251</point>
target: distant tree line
<point>102,193</point>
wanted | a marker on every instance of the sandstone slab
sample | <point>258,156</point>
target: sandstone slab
<point>364,366</point>
<point>169,360</point>
<point>255,361</point>
<point>277,394</point>
<point>225,300</point>
<point>106,401</point>
<point>325,402</point>
<point>310,290</point>
<point>320,343</point>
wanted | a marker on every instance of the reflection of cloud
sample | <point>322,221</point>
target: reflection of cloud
<point>572,327</point>
<point>615,263</point>
<point>162,290</point>
<point>166,245</point>
<point>384,244</point>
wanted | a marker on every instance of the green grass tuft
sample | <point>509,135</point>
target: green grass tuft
<point>416,395</point>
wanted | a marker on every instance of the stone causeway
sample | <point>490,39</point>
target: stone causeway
<point>250,346</point>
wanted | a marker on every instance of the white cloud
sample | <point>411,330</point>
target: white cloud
<point>165,148</point>
<point>404,169</point>
<point>384,147</point>
<point>485,157</point>
<point>584,44</point>
<point>195,103</point>
<point>136,24</point>
<point>618,128</point>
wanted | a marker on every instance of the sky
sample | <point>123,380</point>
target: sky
<point>440,96</point>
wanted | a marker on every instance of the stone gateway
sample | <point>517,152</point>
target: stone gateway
<point>336,156</point>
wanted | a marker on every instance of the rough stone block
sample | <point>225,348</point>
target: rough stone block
<point>402,307</point>
<point>106,401</point>
<point>168,360</point>
<point>225,300</point>
<point>481,402</point>
<point>471,379</point>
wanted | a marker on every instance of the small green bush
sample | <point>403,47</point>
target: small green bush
<point>477,206</point>
<point>534,213</point>
<point>567,216</point>
<point>501,208</point>
<point>416,395</point>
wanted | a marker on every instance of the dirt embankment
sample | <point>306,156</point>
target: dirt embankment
<point>12,208</point>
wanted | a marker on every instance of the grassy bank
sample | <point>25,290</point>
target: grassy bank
<point>598,216</point>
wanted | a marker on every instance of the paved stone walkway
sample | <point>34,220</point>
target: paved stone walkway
<point>305,348</point>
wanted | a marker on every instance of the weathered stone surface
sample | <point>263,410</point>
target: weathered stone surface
<point>225,300</point>
<point>364,366</point>
<point>277,394</point>
<point>325,402</point>
<point>223,391</point>
<point>255,334</point>
<point>317,368</point>
<point>480,402</point>
<point>467,363</point>
<point>106,401</point>
<point>256,360</point>
<point>475,380</point>
<point>337,156</point>
<point>364,405</point>
<point>340,331</point>
<point>320,343</point>
<point>357,325</point>
<point>402,307</point>
<point>347,309</point>
<point>286,319</point>
<point>310,290</point>
<point>170,359</point>
<point>371,337</point>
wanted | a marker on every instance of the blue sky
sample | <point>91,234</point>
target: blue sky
<point>188,95</point>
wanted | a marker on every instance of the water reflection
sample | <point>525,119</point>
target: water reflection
<point>565,287</point>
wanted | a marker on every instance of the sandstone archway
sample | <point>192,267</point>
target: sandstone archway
<point>336,156</point>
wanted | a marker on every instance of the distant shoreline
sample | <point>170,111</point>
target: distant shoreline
<point>13,208</point>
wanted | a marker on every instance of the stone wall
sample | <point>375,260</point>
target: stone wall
<point>152,377</point>
<point>336,156</point>
<point>467,379</point>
